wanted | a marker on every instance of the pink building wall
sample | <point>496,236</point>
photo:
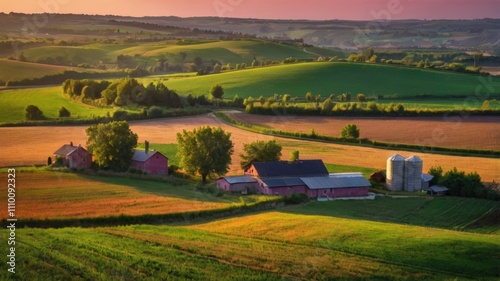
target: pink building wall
<point>155,165</point>
<point>80,159</point>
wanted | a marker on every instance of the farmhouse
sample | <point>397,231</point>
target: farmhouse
<point>151,162</point>
<point>75,157</point>
<point>303,176</point>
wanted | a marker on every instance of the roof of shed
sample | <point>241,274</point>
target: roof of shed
<point>282,182</point>
<point>67,149</point>
<point>341,180</point>
<point>240,179</point>
<point>437,188</point>
<point>427,177</point>
<point>285,168</point>
<point>142,156</point>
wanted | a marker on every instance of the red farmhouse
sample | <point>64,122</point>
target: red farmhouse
<point>75,157</point>
<point>151,162</point>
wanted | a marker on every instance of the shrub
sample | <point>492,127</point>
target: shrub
<point>120,115</point>
<point>32,112</point>
<point>296,199</point>
<point>350,131</point>
<point>63,112</point>
<point>155,112</point>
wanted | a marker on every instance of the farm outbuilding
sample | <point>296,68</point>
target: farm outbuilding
<point>395,172</point>
<point>281,186</point>
<point>151,162</point>
<point>437,190</point>
<point>74,157</point>
<point>287,169</point>
<point>240,184</point>
<point>337,185</point>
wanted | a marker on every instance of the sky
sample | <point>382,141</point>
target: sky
<point>268,9</point>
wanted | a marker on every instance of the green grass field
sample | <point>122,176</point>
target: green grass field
<point>345,240</point>
<point>332,78</point>
<point>48,99</point>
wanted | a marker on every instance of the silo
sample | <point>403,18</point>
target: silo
<point>395,172</point>
<point>413,174</point>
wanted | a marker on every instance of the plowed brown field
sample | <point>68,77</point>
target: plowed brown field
<point>32,145</point>
<point>475,132</point>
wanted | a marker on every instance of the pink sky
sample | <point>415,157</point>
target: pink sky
<point>270,9</point>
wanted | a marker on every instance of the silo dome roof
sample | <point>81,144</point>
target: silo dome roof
<point>396,157</point>
<point>413,159</point>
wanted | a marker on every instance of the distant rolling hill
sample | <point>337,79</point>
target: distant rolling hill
<point>16,70</point>
<point>333,78</point>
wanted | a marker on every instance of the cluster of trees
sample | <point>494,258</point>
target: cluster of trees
<point>122,92</point>
<point>67,74</point>
<point>461,184</point>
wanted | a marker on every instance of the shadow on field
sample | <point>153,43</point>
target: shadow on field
<point>452,213</point>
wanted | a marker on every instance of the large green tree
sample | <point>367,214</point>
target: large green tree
<point>205,151</point>
<point>112,145</point>
<point>260,151</point>
<point>350,131</point>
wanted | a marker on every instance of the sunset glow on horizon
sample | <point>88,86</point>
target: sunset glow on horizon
<point>268,9</point>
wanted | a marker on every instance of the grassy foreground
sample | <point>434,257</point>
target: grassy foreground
<point>318,241</point>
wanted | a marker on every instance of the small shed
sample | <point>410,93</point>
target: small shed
<point>151,162</point>
<point>240,184</point>
<point>426,179</point>
<point>437,190</point>
<point>337,185</point>
<point>74,157</point>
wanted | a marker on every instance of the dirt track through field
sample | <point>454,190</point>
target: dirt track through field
<point>32,145</point>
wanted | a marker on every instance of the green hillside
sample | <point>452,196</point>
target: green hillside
<point>15,70</point>
<point>48,99</point>
<point>233,52</point>
<point>334,78</point>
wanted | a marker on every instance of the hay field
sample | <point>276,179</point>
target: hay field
<point>473,132</point>
<point>32,145</point>
<point>54,195</point>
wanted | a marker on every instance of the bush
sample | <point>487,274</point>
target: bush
<point>155,112</point>
<point>32,112</point>
<point>296,199</point>
<point>63,112</point>
<point>120,115</point>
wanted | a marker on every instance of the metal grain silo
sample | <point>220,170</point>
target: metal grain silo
<point>395,172</point>
<point>413,174</point>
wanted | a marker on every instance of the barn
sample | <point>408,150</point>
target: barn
<point>74,157</point>
<point>240,184</point>
<point>151,162</point>
<point>281,186</point>
<point>287,169</point>
<point>337,185</point>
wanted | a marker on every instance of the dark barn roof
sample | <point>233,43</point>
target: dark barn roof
<point>240,179</point>
<point>282,182</point>
<point>142,156</point>
<point>291,169</point>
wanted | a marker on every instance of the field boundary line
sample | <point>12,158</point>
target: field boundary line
<point>228,120</point>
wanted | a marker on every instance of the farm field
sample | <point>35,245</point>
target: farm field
<point>475,255</point>
<point>48,99</point>
<point>16,70</point>
<point>143,252</point>
<point>56,195</point>
<point>163,131</point>
<point>334,78</point>
<point>476,132</point>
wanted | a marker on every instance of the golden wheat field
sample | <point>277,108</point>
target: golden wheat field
<point>56,195</point>
<point>32,145</point>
